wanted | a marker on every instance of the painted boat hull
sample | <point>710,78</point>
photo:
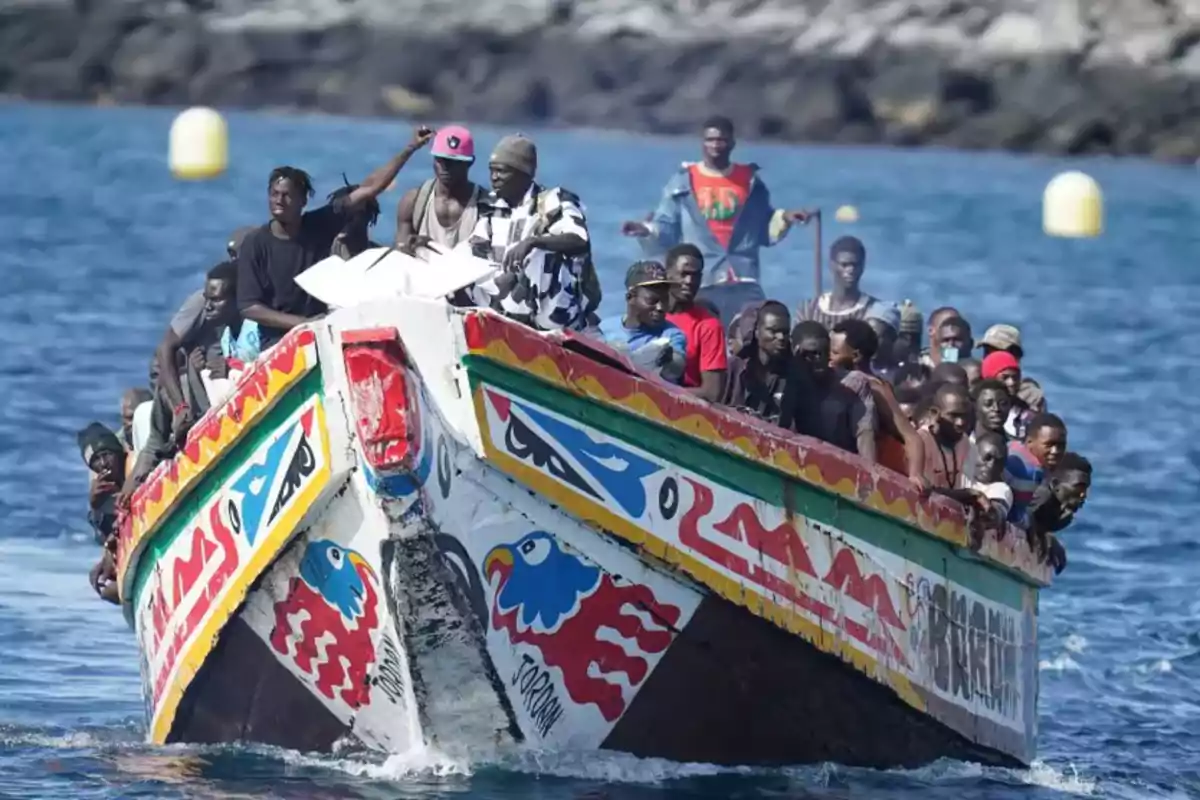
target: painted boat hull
<point>413,525</point>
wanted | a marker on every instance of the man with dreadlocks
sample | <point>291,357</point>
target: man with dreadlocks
<point>273,255</point>
<point>354,238</point>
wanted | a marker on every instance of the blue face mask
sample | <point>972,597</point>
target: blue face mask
<point>950,355</point>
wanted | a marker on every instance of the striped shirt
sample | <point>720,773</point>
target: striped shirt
<point>819,311</point>
<point>549,292</point>
<point>1023,472</point>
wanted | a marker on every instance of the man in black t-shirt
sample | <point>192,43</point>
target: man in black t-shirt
<point>272,256</point>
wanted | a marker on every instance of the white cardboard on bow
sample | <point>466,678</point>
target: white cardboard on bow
<point>383,272</point>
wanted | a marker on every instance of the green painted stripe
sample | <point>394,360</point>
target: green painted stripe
<point>183,517</point>
<point>742,475</point>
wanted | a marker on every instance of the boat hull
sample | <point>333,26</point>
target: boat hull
<point>495,538</point>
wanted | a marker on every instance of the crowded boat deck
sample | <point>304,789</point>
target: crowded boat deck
<point>915,409</point>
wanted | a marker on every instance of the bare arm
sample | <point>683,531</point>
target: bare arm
<point>712,386</point>
<point>374,184</point>
<point>893,416</point>
<point>569,244</point>
<point>404,217</point>
<point>269,318</point>
<point>168,374</point>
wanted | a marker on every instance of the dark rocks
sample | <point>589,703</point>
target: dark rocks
<point>1091,76</point>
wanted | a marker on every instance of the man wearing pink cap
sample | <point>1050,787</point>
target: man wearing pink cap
<point>442,210</point>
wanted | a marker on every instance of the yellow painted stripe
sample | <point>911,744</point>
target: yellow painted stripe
<point>194,655</point>
<point>188,471</point>
<point>595,515</point>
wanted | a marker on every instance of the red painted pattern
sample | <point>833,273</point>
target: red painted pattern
<point>784,545</point>
<point>254,384</point>
<point>379,394</point>
<point>685,413</point>
<point>185,573</point>
<point>575,647</point>
<point>336,655</point>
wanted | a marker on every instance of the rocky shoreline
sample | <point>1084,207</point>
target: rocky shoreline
<point>1055,76</point>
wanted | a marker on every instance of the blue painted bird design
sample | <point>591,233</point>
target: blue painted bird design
<point>338,575</point>
<point>538,578</point>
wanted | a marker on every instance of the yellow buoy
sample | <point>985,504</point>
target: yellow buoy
<point>1073,206</point>
<point>199,147</point>
<point>846,214</point>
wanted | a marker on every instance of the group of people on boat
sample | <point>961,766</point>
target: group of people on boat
<point>847,368</point>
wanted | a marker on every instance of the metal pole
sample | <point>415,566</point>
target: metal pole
<point>817,253</point>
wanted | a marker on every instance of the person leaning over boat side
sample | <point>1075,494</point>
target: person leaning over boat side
<point>897,445</point>
<point>992,404</point>
<point>106,460</point>
<point>539,236</point>
<point>723,208</point>
<point>443,210</point>
<point>931,356</point>
<point>815,402</point>
<point>204,334</point>
<point>704,373</point>
<point>271,256</point>
<point>847,260</point>
<point>1055,503</point>
<point>987,479</point>
<point>850,342</point>
<point>643,331</point>
<point>759,371</point>
<point>948,451</point>
<point>1030,460</point>
<point>354,237</point>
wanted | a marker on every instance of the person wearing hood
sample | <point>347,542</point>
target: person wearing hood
<point>725,209</point>
<point>539,238</point>
<point>884,319</point>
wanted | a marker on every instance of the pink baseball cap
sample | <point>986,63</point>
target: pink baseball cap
<point>455,143</point>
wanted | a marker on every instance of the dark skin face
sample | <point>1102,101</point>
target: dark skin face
<point>847,271</point>
<point>717,148</point>
<point>992,407</point>
<point>105,464</point>
<point>510,184</point>
<point>686,272</point>
<point>990,466</point>
<point>1047,444</point>
<point>974,373</point>
<point>907,346</point>
<point>936,320</point>
<point>887,341</point>
<point>773,334</point>
<point>647,305</point>
<point>954,418</point>
<point>1011,378</point>
<point>286,202</point>
<point>955,337</point>
<point>1071,489</point>
<point>907,409</point>
<point>841,354</point>
<point>814,353</point>
<point>450,173</point>
<point>219,302</point>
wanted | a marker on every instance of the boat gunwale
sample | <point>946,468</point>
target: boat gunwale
<point>928,516</point>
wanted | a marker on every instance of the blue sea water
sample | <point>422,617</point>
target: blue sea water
<point>102,245</point>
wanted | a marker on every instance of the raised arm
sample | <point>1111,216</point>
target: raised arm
<point>662,229</point>
<point>374,184</point>
<point>895,421</point>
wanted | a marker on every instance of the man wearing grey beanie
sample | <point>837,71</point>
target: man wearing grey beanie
<point>539,238</point>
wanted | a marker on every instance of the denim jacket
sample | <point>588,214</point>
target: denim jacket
<point>678,219</point>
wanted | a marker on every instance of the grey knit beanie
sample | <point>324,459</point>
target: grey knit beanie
<point>516,151</point>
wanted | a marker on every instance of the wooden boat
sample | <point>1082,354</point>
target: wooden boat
<point>414,525</point>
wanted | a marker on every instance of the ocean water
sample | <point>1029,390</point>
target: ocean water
<point>102,245</point>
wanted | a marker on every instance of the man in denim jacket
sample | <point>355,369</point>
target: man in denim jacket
<point>724,209</point>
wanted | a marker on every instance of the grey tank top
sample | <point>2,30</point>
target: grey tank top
<point>432,227</point>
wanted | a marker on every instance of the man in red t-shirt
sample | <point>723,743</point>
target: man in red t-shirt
<point>706,361</point>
